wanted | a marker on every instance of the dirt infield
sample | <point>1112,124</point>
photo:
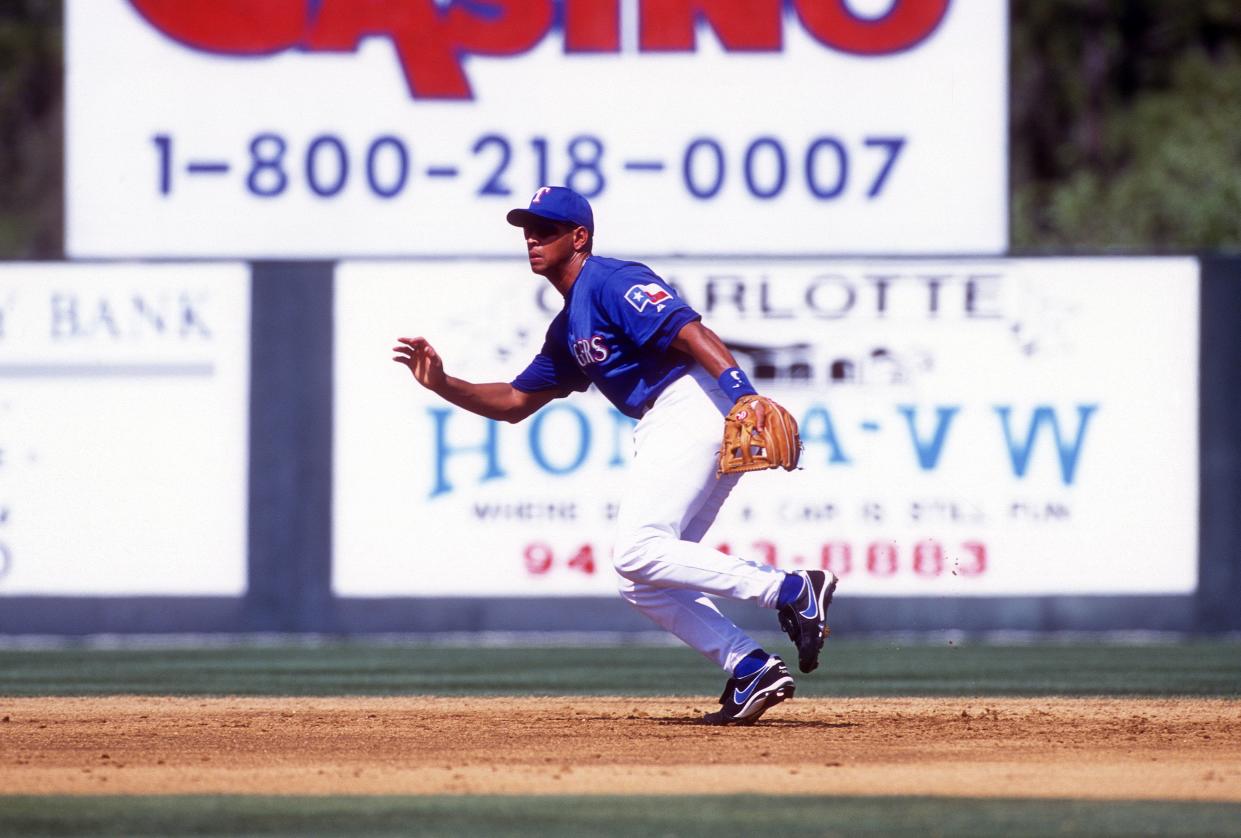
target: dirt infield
<point>1171,749</point>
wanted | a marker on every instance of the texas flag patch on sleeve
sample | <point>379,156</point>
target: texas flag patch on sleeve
<point>650,294</point>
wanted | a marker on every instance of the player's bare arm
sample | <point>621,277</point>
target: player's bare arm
<point>496,400</point>
<point>705,347</point>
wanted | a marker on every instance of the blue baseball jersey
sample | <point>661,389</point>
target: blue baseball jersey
<point>614,331</point>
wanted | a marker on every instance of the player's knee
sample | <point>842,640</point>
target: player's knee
<point>635,553</point>
<point>639,553</point>
<point>627,590</point>
<point>628,561</point>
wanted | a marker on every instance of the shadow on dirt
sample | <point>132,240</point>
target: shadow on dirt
<point>800,724</point>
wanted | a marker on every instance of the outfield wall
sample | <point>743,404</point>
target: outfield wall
<point>381,511</point>
<point>223,445</point>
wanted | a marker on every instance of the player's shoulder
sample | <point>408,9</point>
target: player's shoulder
<point>619,273</point>
<point>620,287</point>
<point>607,268</point>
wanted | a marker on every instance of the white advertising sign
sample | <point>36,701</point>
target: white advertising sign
<point>1005,427</point>
<point>294,129</point>
<point>123,428</point>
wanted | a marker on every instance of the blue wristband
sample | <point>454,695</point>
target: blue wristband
<point>735,385</point>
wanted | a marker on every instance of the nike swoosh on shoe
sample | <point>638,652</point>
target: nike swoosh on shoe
<point>812,610</point>
<point>740,696</point>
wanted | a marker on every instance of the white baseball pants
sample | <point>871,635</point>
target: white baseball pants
<point>670,499</point>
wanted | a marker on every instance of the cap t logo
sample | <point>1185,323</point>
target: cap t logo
<point>557,204</point>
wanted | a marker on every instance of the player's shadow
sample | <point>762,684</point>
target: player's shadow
<point>800,724</point>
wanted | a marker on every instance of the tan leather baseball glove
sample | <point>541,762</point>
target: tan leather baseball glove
<point>745,449</point>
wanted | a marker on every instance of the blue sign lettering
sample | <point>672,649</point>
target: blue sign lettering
<point>1043,414</point>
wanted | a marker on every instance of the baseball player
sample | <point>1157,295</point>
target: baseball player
<point>623,330</point>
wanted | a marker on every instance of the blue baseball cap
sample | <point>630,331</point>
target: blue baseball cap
<point>555,203</point>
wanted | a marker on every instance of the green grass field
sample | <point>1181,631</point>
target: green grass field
<point>1211,669</point>
<point>849,669</point>
<point>709,817</point>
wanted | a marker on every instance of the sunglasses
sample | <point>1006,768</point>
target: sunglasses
<point>545,229</point>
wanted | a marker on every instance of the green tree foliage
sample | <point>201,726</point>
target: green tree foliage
<point>1126,125</point>
<point>31,129</point>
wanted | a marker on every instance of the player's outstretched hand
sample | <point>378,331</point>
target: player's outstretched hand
<point>422,359</point>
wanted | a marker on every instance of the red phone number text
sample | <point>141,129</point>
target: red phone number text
<point>928,558</point>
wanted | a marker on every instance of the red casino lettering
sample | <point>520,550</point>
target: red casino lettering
<point>753,25</point>
<point>906,24</point>
<point>231,27</point>
<point>431,41</point>
<point>592,26</point>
